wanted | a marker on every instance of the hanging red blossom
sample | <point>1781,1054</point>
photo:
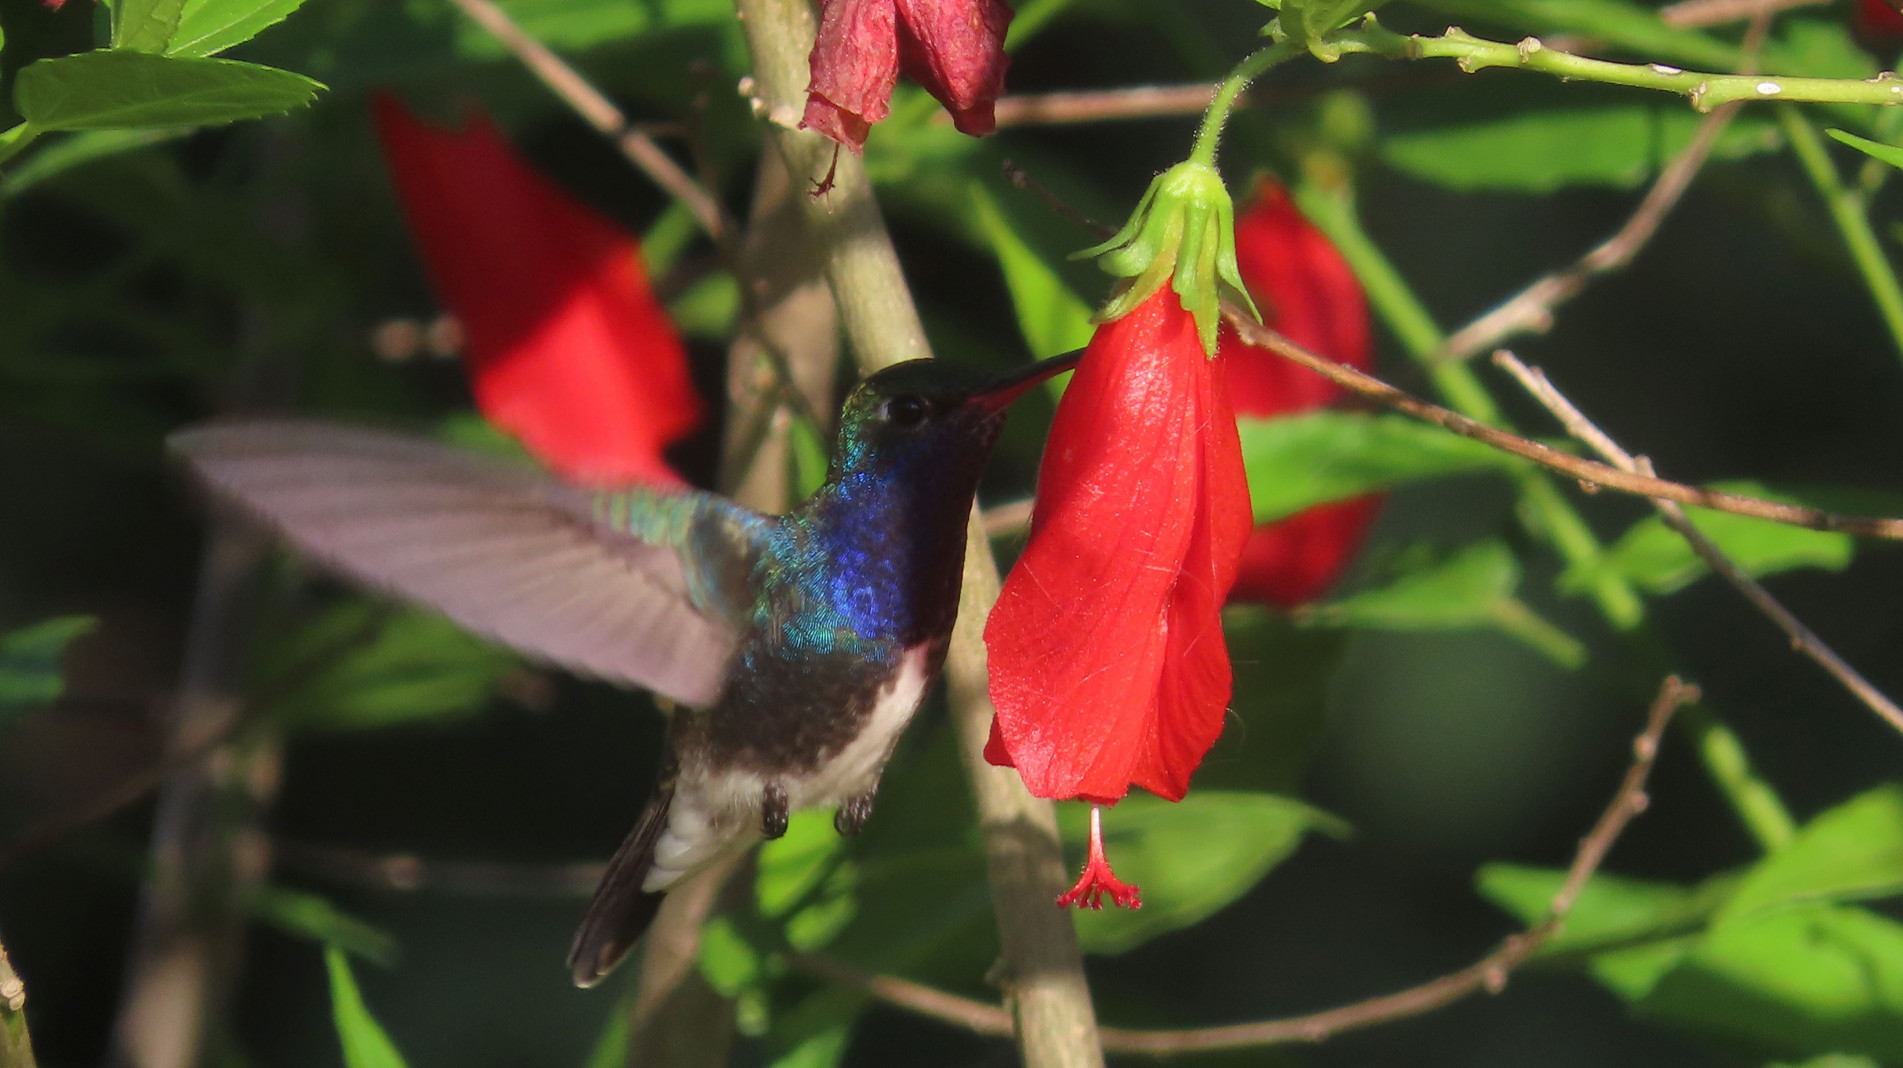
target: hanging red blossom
<point>566,346</point>
<point>1308,293</point>
<point>1108,666</point>
<point>954,48</point>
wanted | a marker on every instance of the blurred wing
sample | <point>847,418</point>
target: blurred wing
<point>508,553</point>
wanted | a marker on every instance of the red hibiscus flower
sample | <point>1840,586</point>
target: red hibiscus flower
<point>954,48</point>
<point>1879,24</point>
<point>566,346</point>
<point>1108,667</point>
<point>1307,292</point>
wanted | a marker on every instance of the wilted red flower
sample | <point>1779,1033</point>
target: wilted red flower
<point>1108,666</point>
<point>954,48</point>
<point>1878,22</point>
<point>566,346</point>
<point>1308,293</point>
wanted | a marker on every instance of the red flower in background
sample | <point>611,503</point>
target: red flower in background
<point>1108,666</point>
<point>1308,294</point>
<point>1879,24</point>
<point>954,48</point>
<point>566,346</point>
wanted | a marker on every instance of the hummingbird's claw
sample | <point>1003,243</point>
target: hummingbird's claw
<point>773,811</point>
<point>851,817</point>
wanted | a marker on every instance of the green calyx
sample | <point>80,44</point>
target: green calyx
<point>1183,232</point>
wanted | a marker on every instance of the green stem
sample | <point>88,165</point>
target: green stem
<point>1757,805</point>
<point>1853,222</point>
<point>1705,91</point>
<point>1545,510</point>
<point>12,141</point>
<point>1238,79</point>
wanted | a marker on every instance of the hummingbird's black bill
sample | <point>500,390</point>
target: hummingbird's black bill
<point>1002,390</point>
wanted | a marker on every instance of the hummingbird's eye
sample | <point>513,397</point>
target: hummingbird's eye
<point>905,410</point>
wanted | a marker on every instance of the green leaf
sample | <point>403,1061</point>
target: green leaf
<point>729,962</point>
<point>306,915</point>
<point>1833,1060</point>
<point>1471,589</point>
<point>30,662</point>
<point>1540,151</point>
<point>144,25</point>
<point>1800,981</point>
<point>78,149</point>
<point>208,27</point>
<point>823,1050</point>
<point>708,309</point>
<point>364,665</point>
<point>1853,851</point>
<point>1651,555</point>
<point>105,90</point>
<point>1298,461</point>
<point>804,879</point>
<point>1190,857</point>
<point>1651,923</point>
<point>1889,154</point>
<point>364,1041</point>
<point>1052,318</point>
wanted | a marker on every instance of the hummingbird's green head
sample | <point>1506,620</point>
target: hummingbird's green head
<point>930,412</point>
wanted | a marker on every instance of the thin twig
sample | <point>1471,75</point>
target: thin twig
<point>1803,639</point>
<point>1531,310</point>
<point>601,113</point>
<point>1489,973</point>
<point>409,873</point>
<point>1103,105</point>
<point>1586,471</point>
<point>1698,14</point>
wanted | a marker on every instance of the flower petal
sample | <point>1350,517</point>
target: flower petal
<point>854,64</point>
<point>955,49</point>
<point>1079,636</point>
<point>1192,693</point>
<point>567,347</point>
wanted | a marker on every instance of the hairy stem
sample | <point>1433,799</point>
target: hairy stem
<point>1238,79</point>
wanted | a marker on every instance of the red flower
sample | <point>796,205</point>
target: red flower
<point>566,346</point>
<point>1108,666</point>
<point>954,48</point>
<point>1878,22</point>
<point>1307,292</point>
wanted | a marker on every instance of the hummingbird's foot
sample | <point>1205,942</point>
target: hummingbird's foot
<point>773,811</point>
<point>851,817</point>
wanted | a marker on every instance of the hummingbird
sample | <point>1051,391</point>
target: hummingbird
<point>794,649</point>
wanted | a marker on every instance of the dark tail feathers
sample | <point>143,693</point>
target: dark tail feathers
<point>621,910</point>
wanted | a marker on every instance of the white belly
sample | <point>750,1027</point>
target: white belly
<point>715,810</point>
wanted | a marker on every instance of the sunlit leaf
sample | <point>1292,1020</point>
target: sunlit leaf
<point>208,27</point>
<point>364,1041</point>
<point>30,662</point>
<point>1651,555</point>
<point>144,25</point>
<point>1190,858</point>
<point>708,309</point>
<point>728,961</point>
<point>1649,925</point>
<point>103,90</point>
<point>1298,461</point>
<point>1802,980</point>
<point>1853,851</point>
<point>822,1050</point>
<point>1471,589</point>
